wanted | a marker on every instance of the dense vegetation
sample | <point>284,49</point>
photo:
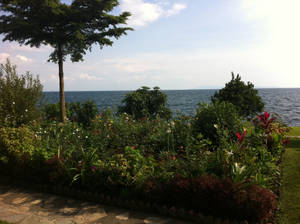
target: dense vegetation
<point>19,95</point>
<point>229,169</point>
<point>146,103</point>
<point>242,95</point>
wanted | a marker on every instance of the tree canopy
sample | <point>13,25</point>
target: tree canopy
<point>69,29</point>
<point>242,95</point>
<point>146,103</point>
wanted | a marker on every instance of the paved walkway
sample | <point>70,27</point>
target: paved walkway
<point>26,207</point>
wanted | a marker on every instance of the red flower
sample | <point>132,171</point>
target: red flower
<point>241,137</point>
<point>172,157</point>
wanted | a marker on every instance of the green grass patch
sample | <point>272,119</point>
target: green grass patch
<point>290,189</point>
<point>3,222</point>
<point>294,131</point>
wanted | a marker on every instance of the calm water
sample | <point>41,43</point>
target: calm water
<point>285,102</point>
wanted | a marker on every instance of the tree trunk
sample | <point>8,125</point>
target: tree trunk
<point>61,85</point>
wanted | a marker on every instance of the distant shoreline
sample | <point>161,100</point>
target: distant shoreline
<point>262,88</point>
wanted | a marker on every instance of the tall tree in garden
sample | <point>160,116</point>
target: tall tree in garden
<point>242,95</point>
<point>69,29</point>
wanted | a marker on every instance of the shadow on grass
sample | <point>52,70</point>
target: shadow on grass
<point>294,143</point>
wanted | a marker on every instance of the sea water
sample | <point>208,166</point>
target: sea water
<point>285,102</point>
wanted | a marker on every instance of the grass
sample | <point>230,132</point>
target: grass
<point>3,222</point>
<point>295,131</point>
<point>290,189</point>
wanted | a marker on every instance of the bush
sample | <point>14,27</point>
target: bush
<point>218,198</point>
<point>19,96</point>
<point>217,121</point>
<point>242,95</point>
<point>146,103</point>
<point>81,112</point>
<point>270,131</point>
<point>16,143</point>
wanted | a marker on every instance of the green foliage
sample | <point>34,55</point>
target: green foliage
<point>217,122</point>
<point>82,113</point>
<point>146,103</point>
<point>17,142</point>
<point>73,27</point>
<point>213,196</point>
<point>242,95</point>
<point>52,112</point>
<point>165,162</point>
<point>70,29</point>
<point>19,95</point>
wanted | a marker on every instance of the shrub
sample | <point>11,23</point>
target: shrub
<point>216,121</point>
<point>52,111</point>
<point>81,112</point>
<point>218,198</point>
<point>146,103</point>
<point>16,141</point>
<point>242,95</point>
<point>270,131</point>
<point>19,95</point>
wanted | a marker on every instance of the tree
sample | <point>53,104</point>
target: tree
<point>19,95</point>
<point>146,103</point>
<point>242,95</point>
<point>69,29</point>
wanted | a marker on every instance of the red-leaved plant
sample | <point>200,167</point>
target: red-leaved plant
<point>241,137</point>
<point>265,120</point>
<point>274,130</point>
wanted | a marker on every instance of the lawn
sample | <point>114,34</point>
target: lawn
<point>3,222</point>
<point>295,131</point>
<point>290,189</point>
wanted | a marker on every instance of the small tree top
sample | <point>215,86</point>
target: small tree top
<point>73,27</point>
<point>242,95</point>
<point>145,102</point>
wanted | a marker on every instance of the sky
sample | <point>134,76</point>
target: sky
<point>182,44</point>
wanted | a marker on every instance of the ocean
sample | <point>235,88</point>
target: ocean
<point>285,102</point>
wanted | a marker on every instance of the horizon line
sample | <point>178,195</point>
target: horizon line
<point>166,89</point>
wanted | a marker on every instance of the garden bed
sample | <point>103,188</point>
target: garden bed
<point>154,165</point>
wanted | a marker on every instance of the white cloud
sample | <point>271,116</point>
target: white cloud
<point>176,8</point>
<point>3,57</point>
<point>279,20</point>
<point>130,64</point>
<point>23,58</point>
<point>145,12</point>
<point>89,77</point>
<point>142,12</point>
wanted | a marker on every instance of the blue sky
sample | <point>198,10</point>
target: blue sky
<point>183,44</point>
